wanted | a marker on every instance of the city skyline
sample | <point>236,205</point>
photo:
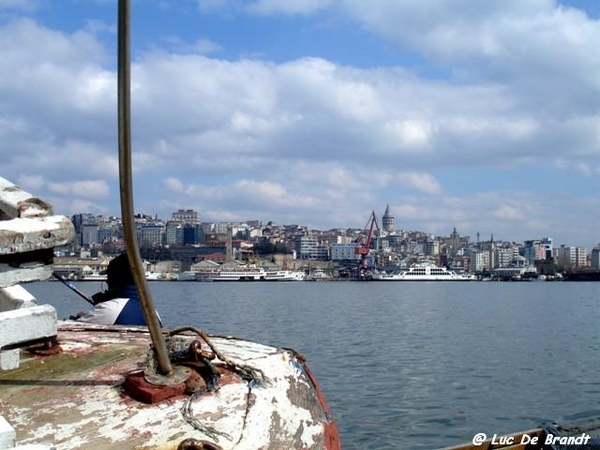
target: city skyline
<point>475,115</point>
<point>252,223</point>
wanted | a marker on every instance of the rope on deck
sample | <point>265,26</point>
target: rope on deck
<point>248,373</point>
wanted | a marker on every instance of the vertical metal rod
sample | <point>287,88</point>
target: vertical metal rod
<point>125,165</point>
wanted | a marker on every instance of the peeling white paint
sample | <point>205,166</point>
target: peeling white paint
<point>15,202</point>
<point>81,415</point>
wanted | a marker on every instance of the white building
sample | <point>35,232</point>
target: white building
<point>186,216</point>
<point>151,235</point>
<point>309,247</point>
<point>479,260</point>
<point>504,256</point>
<point>344,252</point>
<point>173,233</point>
<point>571,257</point>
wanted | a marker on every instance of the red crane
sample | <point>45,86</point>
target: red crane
<point>365,239</point>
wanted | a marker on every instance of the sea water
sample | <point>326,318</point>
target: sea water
<point>407,365</point>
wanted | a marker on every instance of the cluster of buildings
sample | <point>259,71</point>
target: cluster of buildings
<point>187,239</point>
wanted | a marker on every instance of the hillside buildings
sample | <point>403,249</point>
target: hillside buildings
<point>184,237</point>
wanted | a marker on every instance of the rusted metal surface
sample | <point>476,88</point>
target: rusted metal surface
<point>75,398</point>
<point>332,433</point>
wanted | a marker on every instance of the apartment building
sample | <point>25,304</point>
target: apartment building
<point>571,257</point>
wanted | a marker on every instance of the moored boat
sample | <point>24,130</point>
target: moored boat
<point>285,275</point>
<point>318,274</point>
<point>237,274</point>
<point>252,274</point>
<point>91,276</point>
<point>187,276</point>
<point>423,272</point>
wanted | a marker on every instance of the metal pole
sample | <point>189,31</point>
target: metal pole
<point>135,260</point>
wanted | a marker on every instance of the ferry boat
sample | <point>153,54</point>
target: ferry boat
<point>188,275</point>
<point>97,276</point>
<point>253,274</point>
<point>423,272</point>
<point>91,276</point>
<point>318,274</point>
<point>70,385</point>
<point>285,275</point>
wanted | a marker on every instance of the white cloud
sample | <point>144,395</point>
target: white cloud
<point>507,212</point>
<point>265,7</point>
<point>19,5</point>
<point>316,140</point>
<point>201,46</point>
<point>31,183</point>
<point>84,188</point>
<point>411,135</point>
<point>421,181</point>
<point>174,185</point>
<point>302,7</point>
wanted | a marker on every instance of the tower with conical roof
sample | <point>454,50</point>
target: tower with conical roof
<point>388,223</point>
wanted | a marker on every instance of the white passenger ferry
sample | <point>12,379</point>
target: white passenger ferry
<point>253,274</point>
<point>423,272</point>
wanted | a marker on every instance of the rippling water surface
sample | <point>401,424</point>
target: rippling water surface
<point>410,365</point>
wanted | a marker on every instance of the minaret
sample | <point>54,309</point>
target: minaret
<point>491,255</point>
<point>388,221</point>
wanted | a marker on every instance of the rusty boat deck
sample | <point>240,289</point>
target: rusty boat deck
<point>74,395</point>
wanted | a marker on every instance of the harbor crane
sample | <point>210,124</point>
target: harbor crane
<point>364,241</point>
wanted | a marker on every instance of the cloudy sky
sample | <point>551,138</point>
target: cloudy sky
<point>479,115</point>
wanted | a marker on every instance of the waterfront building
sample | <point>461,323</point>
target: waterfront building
<point>192,234</point>
<point>414,247</point>
<point>309,247</point>
<point>104,233</point>
<point>571,257</point>
<point>80,219</point>
<point>186,216</point>
<point>344,252</point>
<point>221,227</point>
<point>89,234</point>
<point>173,233</point>
<point>595,257</point>
<point>504,256</point>
<point>548,246</point>
<point>254,223</point>
<point>432,247</point>
<point>460,262</point>
<point>151,235</point>
<point>535,250</point>
<point>479,260</point>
